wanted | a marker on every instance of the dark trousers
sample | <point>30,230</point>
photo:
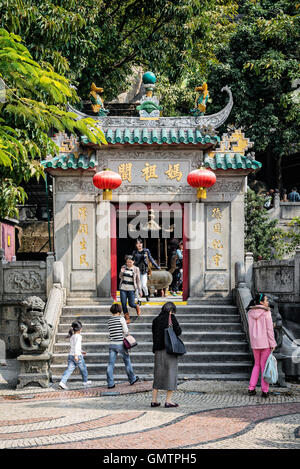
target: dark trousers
<point>176,281</point>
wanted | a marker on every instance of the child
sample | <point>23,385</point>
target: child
<point>261,332</point>
<point>118,329</point>
<point>75,357</point>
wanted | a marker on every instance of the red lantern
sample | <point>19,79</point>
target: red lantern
<point>107,180</point>
<point>201,179</point>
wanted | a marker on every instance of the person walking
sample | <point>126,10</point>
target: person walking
<point>118,329</point>
<point>75,358</point>
<point>130,283</point>
<point>165,365</point>
<point>142,257</point>
<point>262,340</point>
<point>176,263</point>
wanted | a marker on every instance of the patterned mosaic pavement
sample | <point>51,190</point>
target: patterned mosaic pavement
<point>211,414</point>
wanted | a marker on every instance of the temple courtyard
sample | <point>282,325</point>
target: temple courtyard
<point>211,415</point>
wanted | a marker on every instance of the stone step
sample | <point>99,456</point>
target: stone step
<point>147,368</point>
<point>147,327</point>
<point>144,336</point>
<point>140,357</point>
<point>93,347</point>
<point>152,310</point>
<point>182,318</point>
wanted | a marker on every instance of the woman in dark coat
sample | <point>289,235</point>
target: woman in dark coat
<point>165,365</point>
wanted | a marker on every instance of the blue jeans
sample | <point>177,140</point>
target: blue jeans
<point>72,364</point>
<point>124,294</point>
<point>114,349</point>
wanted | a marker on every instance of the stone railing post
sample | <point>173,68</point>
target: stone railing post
<point>249,260</point>
<point>49,272</point>
<point>242,296</point>
<point>297,274</point>
<point>240,276</point>
<point>276,200</point>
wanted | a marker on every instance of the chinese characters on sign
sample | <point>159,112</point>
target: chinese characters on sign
<point>174,172</point>
<point>83,236</point>
<point>150,172</point>
<point>125,171</point>
<point>83,228</point>
<point>217,236</point>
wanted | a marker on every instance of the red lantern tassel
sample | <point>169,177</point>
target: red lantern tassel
<point>201,193</point>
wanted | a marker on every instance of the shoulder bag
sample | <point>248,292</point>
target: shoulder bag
<point>129,342</point>
<point>173,344</point>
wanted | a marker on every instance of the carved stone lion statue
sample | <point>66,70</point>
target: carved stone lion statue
<point>35,333</point>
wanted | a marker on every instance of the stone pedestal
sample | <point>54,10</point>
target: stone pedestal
<point>35,370</point>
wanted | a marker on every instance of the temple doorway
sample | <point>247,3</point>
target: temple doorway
<point>161,228</point>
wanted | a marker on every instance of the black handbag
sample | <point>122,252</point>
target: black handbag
<point>173,344</point>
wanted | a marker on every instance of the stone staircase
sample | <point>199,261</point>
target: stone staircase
<point>216,345</point>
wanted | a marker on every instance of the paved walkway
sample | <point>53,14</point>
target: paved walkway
<point>211,414</point>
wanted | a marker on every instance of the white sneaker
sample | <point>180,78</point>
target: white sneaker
<point>62,385</point>
<point>87,383</point>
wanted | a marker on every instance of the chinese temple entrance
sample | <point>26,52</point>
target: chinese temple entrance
<point>159,225</point>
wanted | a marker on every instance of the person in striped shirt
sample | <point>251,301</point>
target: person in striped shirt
<point>118,329</point>
<point>130,283</point>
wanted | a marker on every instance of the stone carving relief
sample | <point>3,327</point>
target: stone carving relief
<point>75,184</point>
<point>24,281</point>
<point>154,189</point>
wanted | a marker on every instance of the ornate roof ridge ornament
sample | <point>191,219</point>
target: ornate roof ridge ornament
<point>149,108</point>
<point>212,121</point>
<point>200,101</point>
<point>96,100</point>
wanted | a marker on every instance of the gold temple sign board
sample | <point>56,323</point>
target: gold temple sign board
<point>152,171</point>
<point>83,236</point>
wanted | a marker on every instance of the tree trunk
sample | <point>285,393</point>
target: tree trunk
<point>279,172</point>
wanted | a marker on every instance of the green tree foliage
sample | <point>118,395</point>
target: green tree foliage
<point>34,104</point>
<point>261,63</point>
<point>262,236</point>
<point>99,41</point>
<point>292,236</point>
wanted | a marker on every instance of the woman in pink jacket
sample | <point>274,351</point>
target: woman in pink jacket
<point>262,339</point>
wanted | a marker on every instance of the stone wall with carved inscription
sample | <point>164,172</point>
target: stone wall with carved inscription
<point>277,277</point>
<point>18,280</point>
<point>217,247</point>
<point>75,232</point>
<point>21,279</point>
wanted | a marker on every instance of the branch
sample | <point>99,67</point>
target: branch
<point>134,54</point>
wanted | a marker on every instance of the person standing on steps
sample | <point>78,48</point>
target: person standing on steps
<point>261,332</point>
<point>130,283</point>
<point>165,365</point>
<point>118,329</point>
<point>142,257</point>
<point>75,358</point>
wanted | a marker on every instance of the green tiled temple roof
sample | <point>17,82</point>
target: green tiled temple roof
<point>230,161</point>
<point>158,135</point>
<point>70,161</point>
<point>223,161</point>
